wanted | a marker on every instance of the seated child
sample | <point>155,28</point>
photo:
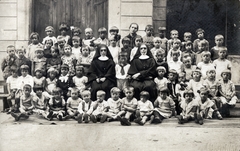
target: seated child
<point>51,81</point>
<point>39,79</point>
<point>160,80</point>
<point>195,83</point>
<point>73,104</point>
<point>100,108</point>
<point>79,79</point>
<point>40,101</point>
<point>148,38</point>
<point>227,92</point>
<point>55,60</point>
<point>144,109</point>
<point>138,42</point>
<point>207,108</point>
<point>219,39</point>
<point>189,107</point>
<point>113,48</point>
<point>57,104</point>
<point>128,107</point>
<point>205,64</point>
<point>88,107</point>
<point>164,40</point>
<point>114,31</point>
<point>114,104</point>
<point>26,104</point>
<point>50,35</point>
<point>188,68</point>
<point>164,106</point>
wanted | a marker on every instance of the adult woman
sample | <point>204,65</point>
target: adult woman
<point>101,74</point>
<point>142,72</point>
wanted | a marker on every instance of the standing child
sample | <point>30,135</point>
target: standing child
<point>64,28</point>
<point>79,79</point>
<point>196,82</point>
<point>187,37</point>
<point>22,60</point>
<point>205,64</point>
<point>175,63</point>
<point>181,85</point>
<point>70,59</point>
<point>174,36</point>
<point>189,107</point>
<point>113,48</point>
<point>126,47</point>
<point>25,78</point>
<point>34,43</point>
<point>47,49</point>
<point>114,104</point>
<point>227,92</point>
<point>128,107</point>
<point>55,60</point>
<point>160,60</point>
<point>219,39</point>
<point>114,31</point>
<point>200,35</point>
<point>50,35</point>
<point>102,37</point>
<point>157,46</point>
<point>176,44</point>
<point>88,107</point>
<point>202,47</point>
<point>60,45</point>
<point>76,49</point>
<point>51,81</point>
<point>164,106</point>
<point>39,79</point>
<point>138,42</point>
<point>148,38</point>
<point>164,40</point>
<point>39,62</point>
<point>222,63</point>
<point>85,58</point>
<point>188,52</point>
<point>8,61</point>
<point>160,80</point>
<point>144,109</point>
<point>100,108</point>
<point>207,108</point>
<point>89,40</point>
<point>188,68</point>
<point>26,104</point>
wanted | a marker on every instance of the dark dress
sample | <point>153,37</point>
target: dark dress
<point>65,85</point>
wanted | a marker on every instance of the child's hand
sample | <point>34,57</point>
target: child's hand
<point>135,76</point>
<point>102,79</point>
<point>98,80</point>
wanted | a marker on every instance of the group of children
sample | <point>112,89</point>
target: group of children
<point>49,79</point>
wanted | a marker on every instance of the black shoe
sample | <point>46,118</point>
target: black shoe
<point>93,119</point>
<point>157,120</point>
<point>60,117</point>
<point>200,119</point>
<point>137,120</point>
<point>79,118</point>
<point>103,118</point>
<point>86,119</point>
<point>126,121</point>
<point>180,119</point>
<point>110,119</point>
<point>50,115</point>
<point>16,116</point>
<point>121,121</point>
<point>24,115</point>
<point>196,118</point>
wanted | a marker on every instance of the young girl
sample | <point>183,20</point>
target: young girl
<point>102,37</point>
<point>157,44</point>
<point>138,42</point>
<point>25,78</point>
<point>144,109</point>
<point>22,60</point>
<point>207,109</point>
<point>76,32</point>
<point>34,39</point>
<point>174,36</point>
<point>188,68</point>
<point>202,47</point>
<point>189,107</point>
<point>175,63</point>
<point>164,40</point>
<point>160,60</point>
<point>227,92</point>
<point>114,31</point>
<point>85,58</point>
<point>164,106</point>
<point>69,58</point>
<point>205,64</point>
<point>128,107</point>
<point>64,28</point>
<point>51,81</point>
<point>181,85</point>
<point>200,35</point>
<point>148,38</point>
<point>222,63</point>
<point>47,49</point>
<point>39,79</point>
<point>57,104</point>
<point>79,79</point>
<point>39,61</point>
<point>175,48</point>
<point>195,83</point>
<point>188,52</point>
<point>126,47</point>
<point>55,60</point>
<point>160,80</point>
<point>113,48</point>
<point>50,35</point>
<point>100,108</point>
<point>88,107</point>
<point>219,39</point>
<point>76,49</point>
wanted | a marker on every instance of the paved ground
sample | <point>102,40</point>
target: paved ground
<point>40,135</point>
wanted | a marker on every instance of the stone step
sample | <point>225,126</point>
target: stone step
<point>235,112</point>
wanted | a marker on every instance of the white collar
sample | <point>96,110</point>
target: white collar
<point>103,58</point>
<point>144,57</point>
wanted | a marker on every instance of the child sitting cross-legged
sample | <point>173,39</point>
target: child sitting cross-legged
<point>100,108</point>
<point>88,107</point>
<point>144,108</point>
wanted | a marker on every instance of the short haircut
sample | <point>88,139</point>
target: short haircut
<point>223,49</point>
<point>67,46</point>
<point>128,89</point>
<point>49,40</point>
<point>160,51</point>
<point>175,52</point>
<point>57,90</point>
<point>187,34</point>
<point>161,68</point>
<point>78,66</point>
<point>101,92</point>
<point>21,50</point>
<point>55,49</point>
<point>199,30</point>
<point>27,86</point>
<point>102,29</point>
<point>60,38</point>
<point>76,38</point>
<point>173,31</point>
<point>204,53</point>
<point>75,90</point>
<point>11,46</point>
<point>202,43</point>
<point>85,47</point>
<point>115,90</point>
<point>155,39</point>
<point>76,29</point>
<point>149,27</point>
<point>134,24</point>
<point>88,30</point>
<point>219,37</point>
<point>139,38</point>
<point>177,41</point>
<point>126,39</point>
<point>144,94</point>
<point>34,34</point>
<point>85,92</point>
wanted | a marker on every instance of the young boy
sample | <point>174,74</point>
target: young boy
<point>188,68</point>
<point>202,47</point>
<point>22,60</point>
<point>88,107</point>
<point>175,47</point>
<point>148,38</point>
<point>219,39</point>
<point>113,48</point>
<point>175,63</point>
<point>157,46</point>
<point>39,61</point>
<point>187,36</point>
<point>200,35</point>
<point>50,32</point>
<point>205,64</point>
<point>144,108</point>
<point>174,36</point>
<point>164,40</point>
<point>126,47</point>
<point>128,107</point>
<point>26,104</point>
<point>76,49</point>
<point>60,45</point>
<point>25,78</point>
<point>100,108</point>
<point>114,31</point>
<point>8,61</point>
<point>102,37</point>
<point>88,40</point>
<point>160,60</point>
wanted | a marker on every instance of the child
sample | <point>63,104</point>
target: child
<point>114,31</point>
<point>202,47</point>
<point>22,60</point>
<point>40,101</point>
<point>34,39</point>
<point>113,48</point>
<point>174,36</point>
<point>222,63</point>
<point>60,45</point>
<point>200,35</point>
<point>73,104</point>
<point>25,78</point>
<point>47,49</point>
<point>79,79</point>
<point>85,58</point>
<point>195,83</point>
<point>128,107</point>
<point>148,38</point>
<point>160,60</point>
<point>100,108</point>
<point>102,37</point>
<point>157,46</point>
<point>188,67</point>
<point>181,85</point>
<point>164,40</point>
<point>89,38</point>
<point>65,81</point>
<point>164,106</point>
<point>121,71</point>
<point>205,64</point>
<point>55,61</point>
<point>207,109</point>
<point>126,47</point>
<point>26,104</point>
<point>39,79</point>
<point>69,58</point>
<point>64,28</point>
<point>187,37</point>
<point>144,108</point>
<point>160,80</point>
<point>138,42</point>
<point>187,52</point>
<point>219,39</point>
<point>51,81</point>
<point>8,61</point>
<point>189,107</point>
<point>227,92</point>
<point>175,47</point>
<point>175,63</point>
<point>114,104</point>
<point>76,49</point>
<point>88,107</point>
<point>57,104</point>
<point>76,32</point>
<point>50,32</point>
<point>39,61</point>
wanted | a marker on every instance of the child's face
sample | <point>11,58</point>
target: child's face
<point>76,43</point>
<point>148,32</point>
<point>225,76</point>
<point>188,47</point>
<point>133,28</point>
<point>138,42</point>
<point>123,59</point>
<point>49,33</point>
<point>39,54</point>
<point>86,97</point>
<point>100,97</point>
<point>24,72</point>
<point>176,45</point>
<point>52,75</point>
<point>63,32</point>
<point>196,76</point>
<point>200,35</point>
<point>27,91</point>
<point>38,74</point>
<point>175,56</point>
<point>204,96</point>
<point>125,44</point>
<point>163,95</point>
<point>74,94</point>
<point>14,73</point>
<point>54,53</point>
<point>171,76</point>
<point>201,47</point>
<point>103,51</point>
<point>11,51</point>
<point>129,94</point>
<point>206,58</point>
<point>187,63</point>
<point>211,74</point>
<point>222,54</point>
<point>85,52</point>
<point>61,43</point>
<point>102,35</point>
<point>115,96</point>
<point>113,42</point>
<point>161,33</point>
<point>35,39</point>
<point>64,71</point>
<point>56,95</point>
<point>143,99</point>
<point>39,92</point>
<point>79,72</point>
<point>187,38</point>
<point>48,44</point>
<point>174,35</point>
<point>219,42</point>
<point>67,51</point>
<point>88,35</point>
<point>181,78</point>
<point>161,73</point>
<point>188,97</point>
<point>143,50</point>
<point>20,53</point>
<point>159,57</point>
<point>157,43</point>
